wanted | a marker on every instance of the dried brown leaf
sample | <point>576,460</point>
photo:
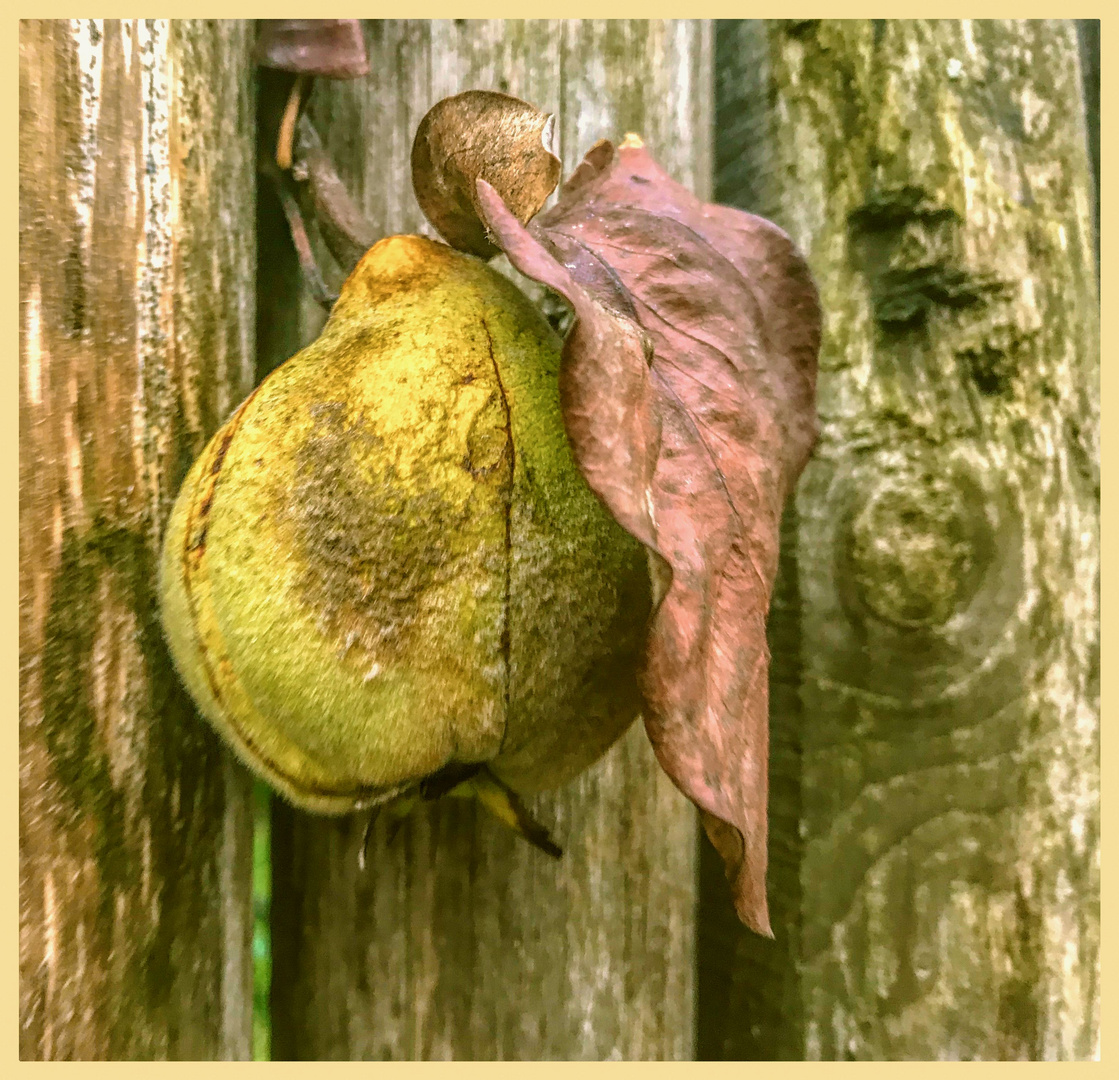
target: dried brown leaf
<point>332,48</point>
<point>688,389</point>
<point>348,233</point>
<point>487,135</point>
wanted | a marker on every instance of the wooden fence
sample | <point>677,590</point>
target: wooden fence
<point>934,877</point>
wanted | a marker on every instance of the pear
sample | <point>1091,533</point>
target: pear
<point>386,565</point>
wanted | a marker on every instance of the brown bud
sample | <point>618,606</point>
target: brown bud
<point>482,134</point>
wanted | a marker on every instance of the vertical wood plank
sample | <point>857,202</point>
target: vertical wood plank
<point>462,941</point>
<point>136,307</point>
<point>946,539</point>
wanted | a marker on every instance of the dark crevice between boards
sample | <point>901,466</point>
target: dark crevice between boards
<point>747,987</point>
<point>262,914</point>
<point>280,330</point>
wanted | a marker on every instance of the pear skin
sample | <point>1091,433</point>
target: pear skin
<point>387,562</point>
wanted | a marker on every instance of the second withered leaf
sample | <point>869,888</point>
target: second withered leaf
<point>332,48</point>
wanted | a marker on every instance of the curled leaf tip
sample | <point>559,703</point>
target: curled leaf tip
<point>482,135</point>
<point>747,885</point>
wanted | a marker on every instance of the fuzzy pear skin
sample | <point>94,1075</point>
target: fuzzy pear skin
<point>386,561</point>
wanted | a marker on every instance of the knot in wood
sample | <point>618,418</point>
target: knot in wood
<point>910,550</point>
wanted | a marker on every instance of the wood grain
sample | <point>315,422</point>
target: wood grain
<point>136,308</point>
<point>945,542</point>
<point>462,941</point>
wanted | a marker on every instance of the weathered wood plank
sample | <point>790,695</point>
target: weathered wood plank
<point>946,538</point>
<point>136,301</point>
<point>462,941</point>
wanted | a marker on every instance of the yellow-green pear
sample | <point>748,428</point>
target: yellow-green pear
<point>386,562</point>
